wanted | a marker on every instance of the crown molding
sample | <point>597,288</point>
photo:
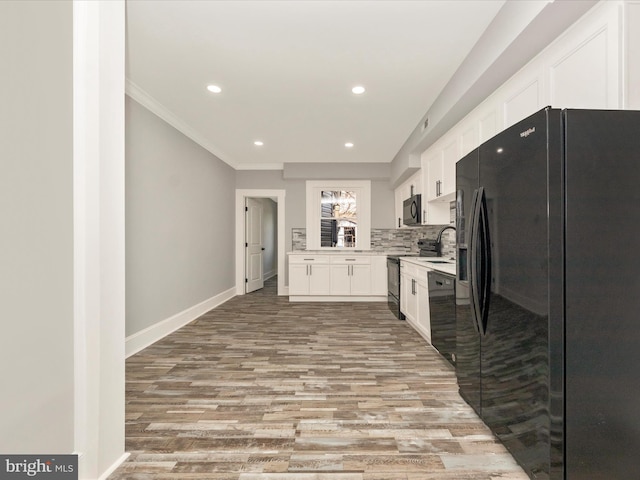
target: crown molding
<point>154,106</point>
<point>260,166</point>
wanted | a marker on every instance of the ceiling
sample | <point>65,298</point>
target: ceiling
<point>286,70</point>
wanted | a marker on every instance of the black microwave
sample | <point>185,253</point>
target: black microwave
<point>411,209</point>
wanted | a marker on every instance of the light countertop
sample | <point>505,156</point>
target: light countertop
<point>344,252</point>
<point>433,263</point>
<point>428,262</point>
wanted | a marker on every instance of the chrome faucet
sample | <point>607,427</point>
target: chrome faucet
<point>439,239</point>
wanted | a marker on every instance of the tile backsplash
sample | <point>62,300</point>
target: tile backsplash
<point>403,240</point>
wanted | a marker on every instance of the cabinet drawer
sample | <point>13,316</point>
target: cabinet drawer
<point>308,259</point>
<point>422,275</point>
<point>409,269</point>
<point>351,260</point>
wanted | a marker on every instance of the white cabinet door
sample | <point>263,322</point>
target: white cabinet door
<point>434,173</point>
<point>408,291</point>
<point>424,317</point>
<point>469,139</point>
<point>319,279</point>
<point>411,307</point>
<point>399,207</point>
<point>379,279</point>
<point>340,280</point>
<point>351,275</point>
<point>592,59</point>
<point>360,279</point>
<point>298,279</point>
<point>488,125</point>
<point>450,155</point>
<point>523,102</point>
<point>309,275</point>
<point>405,291</point>
<point>338,275</point>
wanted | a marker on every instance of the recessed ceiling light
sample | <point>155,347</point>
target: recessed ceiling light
<point>258,143</point>
<point>348,145</point>
<point>500,150</point>
<point>214,88</point>
<point>358,90</point>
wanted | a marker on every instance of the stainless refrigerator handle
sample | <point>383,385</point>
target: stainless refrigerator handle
<point>485,263</point>
<point>472,262</point>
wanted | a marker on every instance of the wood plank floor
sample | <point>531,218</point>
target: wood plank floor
<point>260,388</point>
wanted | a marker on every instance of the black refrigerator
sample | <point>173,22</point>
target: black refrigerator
<point>548,291</point>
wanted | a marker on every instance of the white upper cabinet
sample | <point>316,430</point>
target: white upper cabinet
<point>584,65</point>
<point>468,139</point>
<point>524,99</point>
<point>594,64</point>
<point>441,171</point>
<point>435,207</point>
<point>450,155</point>
<point>434,175</point>
<point>488,125</point>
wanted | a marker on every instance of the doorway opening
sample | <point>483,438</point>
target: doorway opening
<point>260,240</point>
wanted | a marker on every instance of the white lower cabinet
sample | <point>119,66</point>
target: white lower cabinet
<point>335,276</point>
<point>351,275</point>
<point>414,297</point>
<point>423,320</point>
<point>379,277</point>
<point>409,291</point>
<point>309,275</point>
<point>409,300</point>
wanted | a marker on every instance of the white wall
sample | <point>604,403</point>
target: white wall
<point>62,242</point>
<point>36,243</point>
<point>382,196</point>
<point>179,221</point>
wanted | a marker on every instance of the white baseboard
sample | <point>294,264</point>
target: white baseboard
<point>114,467</point>
<point>142,339</point>
<point>267,275</point>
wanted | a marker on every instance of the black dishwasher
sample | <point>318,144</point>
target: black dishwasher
<point>442,310</point>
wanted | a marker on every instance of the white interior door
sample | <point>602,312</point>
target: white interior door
<point>253,243</point>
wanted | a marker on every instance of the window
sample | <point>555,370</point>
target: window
<point>338,214</point>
